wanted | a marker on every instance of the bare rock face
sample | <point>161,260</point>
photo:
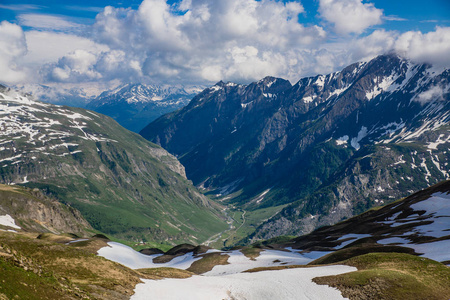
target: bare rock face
<point>38,213</point>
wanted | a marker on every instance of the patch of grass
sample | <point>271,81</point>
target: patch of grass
<point>392,276</point>
<point>161,273</point>
<point>347,253</point>
<point>18,283</point>
<point>208,262</point>
<point>276,268</point>
<point>251,252</point>
<point>54,237</point>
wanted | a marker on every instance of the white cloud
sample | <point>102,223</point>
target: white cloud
<point>432,47</point>
<point>350,16</point>
<point>19,7</point>
<point>200,40</point>
<point>433,93</point>
<point>12,47</point>
<point>203,41</point>
<point>43,21</point>
<point>47,47</point>
<point>379,42</point>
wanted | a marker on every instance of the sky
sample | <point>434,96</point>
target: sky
<point>199,42</point>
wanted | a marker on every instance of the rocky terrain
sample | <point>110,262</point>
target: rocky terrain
<point>35,212</point>
<point>296,157</point>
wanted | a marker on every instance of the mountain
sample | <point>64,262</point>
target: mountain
<point>135,105</point>
<point>122,184</point>
<point>296,157</point>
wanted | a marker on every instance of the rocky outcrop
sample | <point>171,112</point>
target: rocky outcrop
<point>35,212</point>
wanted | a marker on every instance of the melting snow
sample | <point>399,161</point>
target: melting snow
<point>342,140</point>
<point>282,284</point>
<point>352,237</point>
<point>361,134</point>
<point>227,281</point>
<point>238,262</point>
<point>320,81</point>
<point>309,99</point>
<point>437,209</point>
<point>7,220</point>
<point>132,259</point>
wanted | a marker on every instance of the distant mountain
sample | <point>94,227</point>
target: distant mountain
<point>296,157</point>
<point>122,184</point>
<point>60,95</point>
<point>135,105</point>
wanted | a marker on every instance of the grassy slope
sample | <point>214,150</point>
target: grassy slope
<point>124,186</point>
<point>392,276</point>
<point>34,268</point>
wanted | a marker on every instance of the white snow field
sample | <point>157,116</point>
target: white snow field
<point>7,220</point>
<point>134,260</point>
<point>227,281</point>
<point>281,284</point>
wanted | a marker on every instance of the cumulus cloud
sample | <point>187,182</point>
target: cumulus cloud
<point>86,66</point>
<point>12,47</point>
<point>350,16</point>
<point>434,93</point>
<point>47,46</point>
<point>432,47</point>
<point>229,40</point>
<point>204,41</point>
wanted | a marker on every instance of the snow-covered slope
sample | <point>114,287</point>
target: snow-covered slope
<point>420,222</point>
<point>229,281</point>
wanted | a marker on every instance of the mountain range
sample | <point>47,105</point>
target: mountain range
<point>135,105</point>
<point>122,184</point>
<point>296,157</point>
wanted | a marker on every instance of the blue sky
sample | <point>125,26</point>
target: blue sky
<point>416,14</point>
<point>202,41</point>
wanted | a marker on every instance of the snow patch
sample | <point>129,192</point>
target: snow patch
<point>361,134</point>
<point>342,140</point>
<point>7,220</point>
<point>132,259</point>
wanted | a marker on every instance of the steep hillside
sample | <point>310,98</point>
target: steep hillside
<point>122,184</point>
<point>312,153</point>
<point>30,210</point>
<point>135,105</point>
